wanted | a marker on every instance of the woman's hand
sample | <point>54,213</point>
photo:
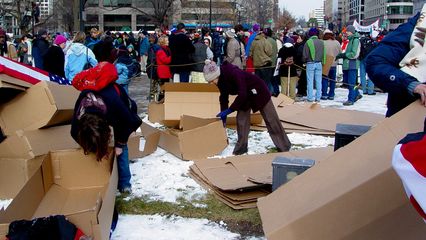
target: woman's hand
<point>118,151</point>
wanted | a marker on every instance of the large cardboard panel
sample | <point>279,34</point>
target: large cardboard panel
<point>32,143</point>
<point>318,117</point>
<point>354,194</point>
<point>44,104</point>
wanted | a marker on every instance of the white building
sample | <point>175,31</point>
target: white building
<point>318,14</point>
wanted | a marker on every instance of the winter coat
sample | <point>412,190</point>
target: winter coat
<point>274,50</point>
<point>123,73</point>
<point>251,90</point>
<point>332,48</point>
<point>91,42</point>
<point>182,49</point>
<point>382,66</point>
<point>199,56</point>
<point>351,54</point>
<point>261,51</point>
<point>164,58</point>
<point>54,61</point>
<point>121,112</point>
<point>288,50</point>
<point>75,59</point>
<point>233,53</point>
<point>144,46</point>
<point>318,48</point>
<point>39,49</point>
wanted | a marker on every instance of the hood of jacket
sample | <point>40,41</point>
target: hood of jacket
<point>78,49</point>
<point>259,37</point>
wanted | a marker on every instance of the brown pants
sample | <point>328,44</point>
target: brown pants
<point>290,85</point>
<point>273,124</point>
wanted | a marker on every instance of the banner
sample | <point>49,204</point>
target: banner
<point>369,28</point>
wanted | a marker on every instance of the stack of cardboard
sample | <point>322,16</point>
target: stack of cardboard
<point>354,194</point>
<point>43,170</point>
<point>240,180</point>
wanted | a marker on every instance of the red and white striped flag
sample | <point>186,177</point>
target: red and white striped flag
<point>22,72</point>
<point>409,161</point>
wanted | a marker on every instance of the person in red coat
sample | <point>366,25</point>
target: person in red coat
<point>163,57</point>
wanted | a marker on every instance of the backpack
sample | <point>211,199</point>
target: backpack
<point>95,78</point>
<point>367,45</point>
<point>133,69</point>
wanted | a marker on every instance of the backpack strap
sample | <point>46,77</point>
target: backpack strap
<point>117,89</point>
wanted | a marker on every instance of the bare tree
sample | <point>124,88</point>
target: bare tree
<point>160,14</point>
<point>21,10</point>
<point>286,20</point>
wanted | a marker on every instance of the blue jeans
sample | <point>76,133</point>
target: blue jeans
<point>123,168</point>
<point>330,82</point>
<point>367,84</point>
<point>184,76</point>
<point>314,73</point>
<point>351,76</point>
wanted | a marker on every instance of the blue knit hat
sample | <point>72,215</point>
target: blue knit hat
<point>313,32</point>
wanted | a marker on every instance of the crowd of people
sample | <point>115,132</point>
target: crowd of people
<point>293,63</point>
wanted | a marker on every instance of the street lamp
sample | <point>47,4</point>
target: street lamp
<point>210,18</point>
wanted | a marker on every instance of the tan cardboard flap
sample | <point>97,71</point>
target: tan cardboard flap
<point>73,169</point>
<point>66,201</point>
<point>353,189</point>
<point>281,100</point>
<point>318,117</point>
<point>190,87</point>
<point>31,143</point>
<point>214,140</point>
<point>190,122</point>
<point>26,201</point>
<point>42,105</point>
<point>155,112</point>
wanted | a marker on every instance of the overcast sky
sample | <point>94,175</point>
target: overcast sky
<point>300,7</point>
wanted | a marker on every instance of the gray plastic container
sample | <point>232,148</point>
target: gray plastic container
<point>284,169</point>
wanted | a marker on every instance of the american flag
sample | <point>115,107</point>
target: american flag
<point>58,79</point>
<point>408,160</point>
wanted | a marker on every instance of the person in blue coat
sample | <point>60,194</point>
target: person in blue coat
<point>382,65</point>
<point>77,56</point>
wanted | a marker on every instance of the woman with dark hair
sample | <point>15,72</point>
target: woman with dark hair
<point>96,111</point>
<point>332,49</point>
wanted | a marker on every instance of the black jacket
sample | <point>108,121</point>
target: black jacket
<point>121,112</point>
<point>54,61</point>
<point>182,49</point>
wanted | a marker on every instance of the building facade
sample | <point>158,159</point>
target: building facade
<point>391,13</point>
<point>418,5</point>
<point>318,14</point>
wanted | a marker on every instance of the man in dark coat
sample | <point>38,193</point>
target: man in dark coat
<point>40,47</point>
<point>382,65</point>
<point>181,48</point>
<point>252,95</point>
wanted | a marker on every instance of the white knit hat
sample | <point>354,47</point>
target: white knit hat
<point>211,70</point>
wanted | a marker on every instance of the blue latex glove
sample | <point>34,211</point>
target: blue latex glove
<point>223,115</point>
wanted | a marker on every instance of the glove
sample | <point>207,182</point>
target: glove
<point>341,55</point>
<point>222,115</point>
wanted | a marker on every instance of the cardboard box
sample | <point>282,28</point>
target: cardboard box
<point>354,194</point>
<point>193,142</point>
<point>42,105</point>
<point>32,143</point>
<point>10,87</point>
<point>72,184</point>
<point>193,99</point>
